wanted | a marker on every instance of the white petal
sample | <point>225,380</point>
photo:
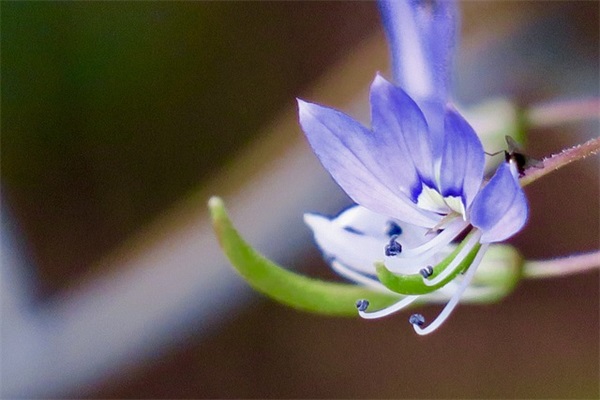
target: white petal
<point>359,252</point>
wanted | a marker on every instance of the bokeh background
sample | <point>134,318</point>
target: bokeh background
<point>120,119</point>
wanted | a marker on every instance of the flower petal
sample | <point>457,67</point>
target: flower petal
<point>350,153</point>
<point>500,208</point>
<point>422,40</point>
<point>402,136</point>
<point>362,220</point>
<point>463,160</point>
<point>357,251</point>
<point>357,237</point>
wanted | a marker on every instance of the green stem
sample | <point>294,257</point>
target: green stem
<point>561,159</point>
<point>562,266</point>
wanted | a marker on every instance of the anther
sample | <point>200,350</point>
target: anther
<point>427,271</point>
<point>416,319</point>
<point>393,248</point>
<point>362,304</point>
<point>393,229</point>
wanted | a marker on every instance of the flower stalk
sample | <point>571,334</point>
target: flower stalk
<point>574,264</point>
<point>554,113</point>
<point>560,160</point>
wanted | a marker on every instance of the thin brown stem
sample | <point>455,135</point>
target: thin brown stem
<point>561,159</point>
<point>559,112</point>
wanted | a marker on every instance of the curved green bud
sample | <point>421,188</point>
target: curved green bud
<point>287,287</point>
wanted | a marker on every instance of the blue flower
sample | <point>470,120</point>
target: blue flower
<point>417,175</point>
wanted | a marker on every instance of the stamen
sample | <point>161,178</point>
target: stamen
<point>455,297</point>
<point>422,254</point>
<point>472,242</point>
<point>443,222</point>
<point>362,304</point>
<point>357,277</point>
<point>389,310</point>
<point>393,248</point>
<point>426,272</point>
<point>471,294</point>
<point>443,237</point>
<point>416,319</point>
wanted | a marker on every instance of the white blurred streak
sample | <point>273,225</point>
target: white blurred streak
<point>172,281</point>
<point>184,279</point>
<point>21,331</point>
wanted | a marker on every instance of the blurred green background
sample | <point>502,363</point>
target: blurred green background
<point>114,111</point>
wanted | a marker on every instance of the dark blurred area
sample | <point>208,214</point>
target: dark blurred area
<point>114,111</point>
<point>516,349</point>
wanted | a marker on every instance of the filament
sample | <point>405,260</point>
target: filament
<point>443,237</point>
<point>357,277</point>
<point>472,294</point>
<point>388,310</point>
<point>472,242</point>
<point>455,298</point>
<point>419,255</point>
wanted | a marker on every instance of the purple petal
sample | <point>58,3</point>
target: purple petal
<point>348,151</point>
<point>500,209</point>
<point>402,135</point>
<point>422,40</point>
<point>462,159</point>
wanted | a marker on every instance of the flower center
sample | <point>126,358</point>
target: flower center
<point>431,200</point>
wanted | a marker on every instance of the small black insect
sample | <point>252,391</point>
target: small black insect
<point>522,161</point>
<point>515,154</point>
